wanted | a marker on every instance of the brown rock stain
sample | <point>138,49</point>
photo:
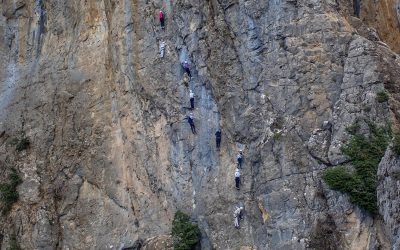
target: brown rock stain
<point>265,214</point>
<point>382,16</point>
<point>93,15</point>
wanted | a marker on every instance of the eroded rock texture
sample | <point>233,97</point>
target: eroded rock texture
<point>112,158</point>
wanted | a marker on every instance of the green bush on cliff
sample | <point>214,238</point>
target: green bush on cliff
<point>22,144</point>
<point>396,144</point>
<point>365,154</point>
<point>185,234</point>
<point>14,245</point>
<point>8,191</point>
<point>382,96</point>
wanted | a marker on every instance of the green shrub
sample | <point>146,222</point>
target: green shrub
<point>22,144</point>
<point>185,234</point>
<point>14,243</point>
<point>277,136</point>
<point>8,191</point>
<point>339,179</point>
<point>382,96</point>
<point>396,144</point>
<point>353,129</point>
<point>365,154</point>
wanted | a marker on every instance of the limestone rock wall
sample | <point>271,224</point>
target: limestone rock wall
<point>112,158</point>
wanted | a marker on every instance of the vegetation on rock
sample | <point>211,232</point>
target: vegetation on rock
<point>353,129</point>
<point>185,234</point>
<point>22,144</point>
<point>14,243</point>
<point>365,153</point>
<point>382,96</point>
<point>396,144</point>
<point>8,191</point>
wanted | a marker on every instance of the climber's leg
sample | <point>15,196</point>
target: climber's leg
<point>357,7</point>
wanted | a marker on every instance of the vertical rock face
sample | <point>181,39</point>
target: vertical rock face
<point>112,156</point>
<point>388,195</point>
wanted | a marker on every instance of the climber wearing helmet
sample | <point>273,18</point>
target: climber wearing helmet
<point>237,178</point>
<point>185,66</point>
<point>161,15</point>
<point>238,216</point>
<point>191,123</point>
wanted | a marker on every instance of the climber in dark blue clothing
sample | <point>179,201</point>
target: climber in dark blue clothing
<point>191,123</point>
<point>185,66</point>
<point>357,7</point>
<point>239,158</point>
<point>218,138</point>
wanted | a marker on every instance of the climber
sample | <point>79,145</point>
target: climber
<point>162,48</point>
<point>185,66</point>
<point>218,138</point>
<point>162,19</point>
<point>238,216</point>
<point>239,158</point>
<point>191,123</point>
<point>191,96</point>
<point>237,178</point>
<point>357,7</point>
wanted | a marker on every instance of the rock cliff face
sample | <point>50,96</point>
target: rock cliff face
<point>112,158</point>
<point>384,16</point>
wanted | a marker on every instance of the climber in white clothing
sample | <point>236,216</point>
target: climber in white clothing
<point>162,49</point>
<point>237,178</point>
<point>191,96</point>
<point>238,216</point>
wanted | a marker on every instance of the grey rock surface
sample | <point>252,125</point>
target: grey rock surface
<point>388,195</point>
<point>112,157</point>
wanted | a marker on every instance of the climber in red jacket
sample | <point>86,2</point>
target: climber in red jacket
<point>162,19</point>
